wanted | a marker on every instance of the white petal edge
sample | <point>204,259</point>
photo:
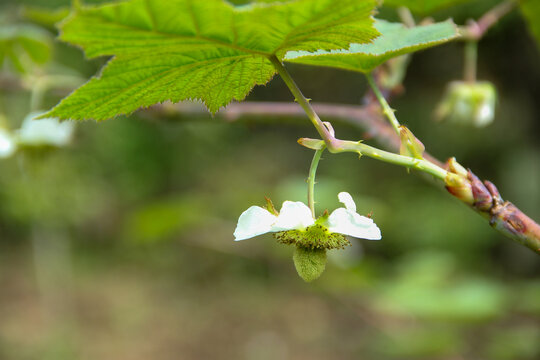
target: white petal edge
<point>346,199</point>
<point>293,215</point>
<point>253,222</point>
<point>350,223</point>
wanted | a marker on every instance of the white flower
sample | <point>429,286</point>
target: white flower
<point>8,146</point>
<point>297,216</point>
<point>44,132</point>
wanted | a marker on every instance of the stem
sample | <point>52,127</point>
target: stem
<point>311,180</point>
<point>470,61</point>
<point>406,16</point>
<point>396,159</point>
<point>387,110</point>
<point>304,103</point>
<point>36,96</point>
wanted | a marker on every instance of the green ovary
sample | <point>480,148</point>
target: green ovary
<point>309,263</point>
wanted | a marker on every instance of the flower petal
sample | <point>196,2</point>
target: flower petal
<point>254,221</point>
<point>45,132</point>
<point>348,222</point>
<point>7,144</point>
<point>293,215</point>
<point>346,199</point>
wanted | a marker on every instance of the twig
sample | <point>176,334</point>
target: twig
<point>475,30</point>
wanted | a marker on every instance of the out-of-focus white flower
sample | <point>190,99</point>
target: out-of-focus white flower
<point>8,146</point>
<point>468,103</point>
<point>44,132</point>
<point>297,216</point>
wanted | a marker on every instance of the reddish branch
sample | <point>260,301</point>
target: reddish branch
<point>475,30</point>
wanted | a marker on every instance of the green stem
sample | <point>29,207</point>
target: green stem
<point>358,147</point>
<point>470,61</point>
<point>311,180</point>
<point>406,16</point>
<point>36,96</point>
<point>387,110</point>
<point>396,159</point>
<point>304,103</point>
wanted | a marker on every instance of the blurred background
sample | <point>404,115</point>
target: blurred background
<point>120,246</point>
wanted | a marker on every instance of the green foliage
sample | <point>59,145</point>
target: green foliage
<point>515,343</point>
<point>44,16</point>
<point>24,45</point>
<point>395,40</point>
<point>162,219</point>
<point>433,342</point>
<point>426,287</point>
<point>531,11</point>
<point>423,7</point>
<point>209,50</point>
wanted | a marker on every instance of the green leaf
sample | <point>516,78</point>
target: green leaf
<point>531,11</point>
<point>24,45</point>
<point>205,50</point>
<point>395,40</point>
<point>423,7</point>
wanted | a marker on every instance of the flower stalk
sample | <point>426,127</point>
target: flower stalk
<point>311,179</point>
<point>470,61</point>
<point>387,110</point>
<point>304,103</point>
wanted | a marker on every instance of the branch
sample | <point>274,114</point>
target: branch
<point>368,118</point>
<point>475,30</point>
<point>504,216</point>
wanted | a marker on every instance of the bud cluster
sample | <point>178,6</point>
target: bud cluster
<point>467,187</point>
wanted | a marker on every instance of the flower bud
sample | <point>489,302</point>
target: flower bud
<point>313,144</point>
<point>410,145</point>
<point>460,187</point>
<point>309,263</point>
<point>468,103</point>
<point>454,167</point>
<point>483,200</point>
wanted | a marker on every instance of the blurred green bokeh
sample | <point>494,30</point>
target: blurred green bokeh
<point>121,246</point>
